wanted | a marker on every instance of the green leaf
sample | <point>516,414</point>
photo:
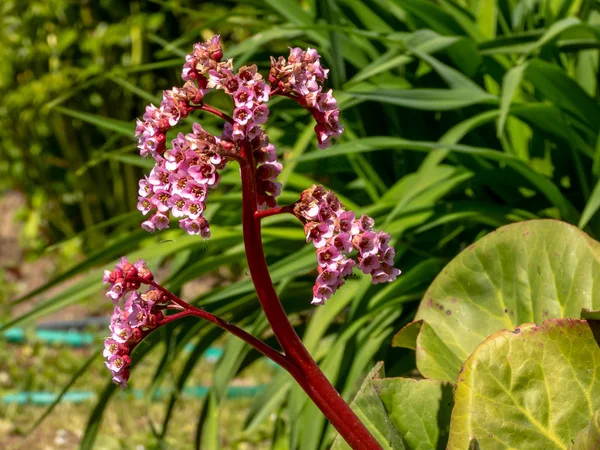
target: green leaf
<point>451,76</point>
<point>402,412</point>
<point>554,31</point>
<point>95,419</point>
<point>435,17</point>
<point>510,84</point>
<point>118,126</point>
<point>556,86</point>
<point>541,182</point>
<point>532,388</point>
<point>590,314</point>
<point>591,207</point>
<point>207,430</point>
<point>419,409</point>
<point>589,437</point>
<point>524,272</point>
<point>370,410</point>
<point>435,359</point>
<point>427,99</point>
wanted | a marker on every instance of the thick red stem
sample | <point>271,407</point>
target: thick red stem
<point>310,378</point>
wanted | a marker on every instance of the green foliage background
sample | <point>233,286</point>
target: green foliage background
<point>460,115</point>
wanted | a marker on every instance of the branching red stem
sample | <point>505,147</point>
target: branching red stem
<point>191,310</point>
<point>289,209</point>
<point>212,110</point>
<point>234,156</point>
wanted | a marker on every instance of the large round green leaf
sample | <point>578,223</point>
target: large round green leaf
<point>531,388</point>
<point>525,272</point>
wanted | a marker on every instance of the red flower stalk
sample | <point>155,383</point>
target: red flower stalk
<point>179,184</point>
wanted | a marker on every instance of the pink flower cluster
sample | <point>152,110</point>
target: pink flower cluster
<point>176,105</point>
<point>336,234</point>
<point>180,180</point>
<point>140,314</point>
<point>250,94</point>
<point>301,76</point>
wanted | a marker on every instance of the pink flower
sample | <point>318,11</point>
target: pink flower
<point>179,181</point>
<point>204,57</point>
<point>117,290</point>
<point>328,256</point>
<point>318,233</point>
<point>193,209</point>
<point>161,200</point>
<point>343,242</point>
<point>269,171</point>
<point>262,92</point>
<point>242,115</point>
<point>117,362</point>
<point>368,264</point>
<point>174,157</point>
<point>329,277</point>
<point>159,178</point>
<point>194,191</point>
<point>243,97</point>
<point>148,225</point>
<point>198,226</point>
<point>365,223</point>
<point>386,274</point>
<point>121,331</point>
<point>145,187</point>
<point>346,267</point>
<point>321,292</point>
<point>160,221</point>
<point>347,223</point>
<point>144,205</point>
<point>111,347</point>
<point>265,154</point>
<point>366,243</point>
<point>260,114</point>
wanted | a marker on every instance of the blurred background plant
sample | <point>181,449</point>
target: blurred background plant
<point>461,116</point>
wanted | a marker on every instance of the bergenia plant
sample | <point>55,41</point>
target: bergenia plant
<point>189,168</point>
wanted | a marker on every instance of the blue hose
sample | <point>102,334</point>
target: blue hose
<point>40,398</point>
<point>56,336</point>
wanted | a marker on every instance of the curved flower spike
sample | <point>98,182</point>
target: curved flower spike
<point>129,324</point>
<point>342,242</point>
<point>302,76</point>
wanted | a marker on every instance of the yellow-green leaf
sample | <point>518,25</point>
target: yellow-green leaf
<point>531,388</point>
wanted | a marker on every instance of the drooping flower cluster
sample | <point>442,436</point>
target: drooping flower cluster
<point>302,76</point>
<point>129,324</point>
<point>176,105</point>
<point>180,180</point>
<point>341,241</point>
<point>183,174</point>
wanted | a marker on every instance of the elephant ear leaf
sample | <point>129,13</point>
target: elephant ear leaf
<point>524,272</point>
<point>531,388</point>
